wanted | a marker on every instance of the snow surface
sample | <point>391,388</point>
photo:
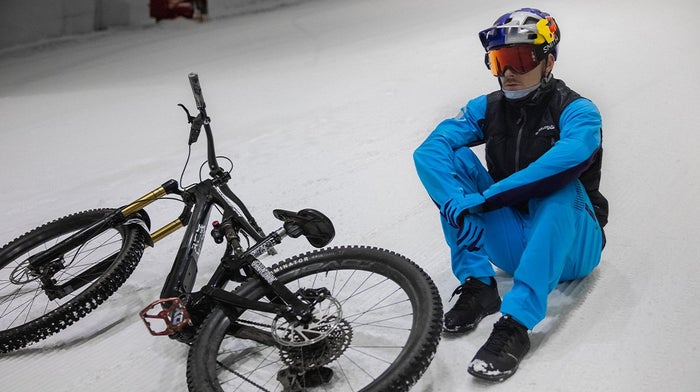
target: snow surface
<point>321,105</point>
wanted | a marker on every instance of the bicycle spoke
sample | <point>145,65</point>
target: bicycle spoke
<point>376,323</point>
<point>366,325</point>
<point>94,270</point>
<point>378,308</point>
<point>358,366</point>
<point>8,311</point>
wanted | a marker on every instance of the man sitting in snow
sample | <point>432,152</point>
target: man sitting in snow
<point>536,213</point>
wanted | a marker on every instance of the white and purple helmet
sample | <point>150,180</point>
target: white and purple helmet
<point>524,26</point>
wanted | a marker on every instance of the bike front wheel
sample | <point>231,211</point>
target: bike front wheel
<point>383,318</point>
<point>88,274</point>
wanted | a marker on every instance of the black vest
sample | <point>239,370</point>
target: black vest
<point>517,132</point>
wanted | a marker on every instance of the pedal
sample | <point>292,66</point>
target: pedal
<point>171,317</point>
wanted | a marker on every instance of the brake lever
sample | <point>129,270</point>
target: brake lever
<point>189,117</point>
<point>196,122</point>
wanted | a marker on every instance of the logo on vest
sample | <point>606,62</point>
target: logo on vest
<point>545,128</point>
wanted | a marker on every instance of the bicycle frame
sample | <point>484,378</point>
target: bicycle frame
<point>179,284</point>
<point>341,317</point>
<point>236,264</point>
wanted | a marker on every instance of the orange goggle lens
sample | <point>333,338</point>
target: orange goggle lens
<point>520,59</point>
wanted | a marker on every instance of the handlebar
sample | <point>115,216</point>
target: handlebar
<point>197,91</point>
<point>215,171</point>
<point>203,120</point>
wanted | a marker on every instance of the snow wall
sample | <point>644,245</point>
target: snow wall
<point>26,22</point>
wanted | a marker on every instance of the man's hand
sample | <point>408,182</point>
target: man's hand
<point>455,209</point>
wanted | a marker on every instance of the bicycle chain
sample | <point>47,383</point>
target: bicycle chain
<point>320,353</point>
<point>289,355</point>
<point>244,378</point>
<point>254,323</point>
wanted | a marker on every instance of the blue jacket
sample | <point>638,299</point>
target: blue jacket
<point>575,148</point>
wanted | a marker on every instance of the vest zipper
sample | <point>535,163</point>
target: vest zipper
<point>521,121</point>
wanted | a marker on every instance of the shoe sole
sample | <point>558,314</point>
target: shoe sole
<point>498,377</point>
<point>462,328</point>
<point>469,327</point>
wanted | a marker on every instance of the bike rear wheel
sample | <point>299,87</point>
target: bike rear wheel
<point>383,337</point>
<point>27,314</point>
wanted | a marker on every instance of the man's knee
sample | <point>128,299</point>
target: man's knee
<point>470,170</point>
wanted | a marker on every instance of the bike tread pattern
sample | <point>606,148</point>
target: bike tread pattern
<point>83,303</point>
<point>403,377</point>
<point>414,369</point>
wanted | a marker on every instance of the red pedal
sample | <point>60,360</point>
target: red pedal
<point>173,316</point>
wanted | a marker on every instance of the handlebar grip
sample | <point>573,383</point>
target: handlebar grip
<point>196,90</point>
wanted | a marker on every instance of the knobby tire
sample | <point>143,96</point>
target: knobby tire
<point>219,361</point>
<point>27,315</point>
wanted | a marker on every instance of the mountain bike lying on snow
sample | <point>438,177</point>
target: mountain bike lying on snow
<point>340,318</point>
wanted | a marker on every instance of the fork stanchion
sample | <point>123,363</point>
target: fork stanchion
<point>166,230</point>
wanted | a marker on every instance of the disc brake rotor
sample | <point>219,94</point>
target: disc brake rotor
<point>326,316</point>
<point>21,275</point>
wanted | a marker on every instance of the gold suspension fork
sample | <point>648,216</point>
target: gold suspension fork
<point>168,188</point>
<point>167,230</point>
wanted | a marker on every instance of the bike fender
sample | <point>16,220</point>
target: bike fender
<point>142,221</point>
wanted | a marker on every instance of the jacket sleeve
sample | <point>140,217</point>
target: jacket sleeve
<point>580,139</point>
<point>434,158</point>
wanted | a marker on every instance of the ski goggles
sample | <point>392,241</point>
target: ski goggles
<point>520,59</point>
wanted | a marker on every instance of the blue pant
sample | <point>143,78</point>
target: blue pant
<point>559,239</point>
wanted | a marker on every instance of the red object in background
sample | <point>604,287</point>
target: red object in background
<point>171,9</point>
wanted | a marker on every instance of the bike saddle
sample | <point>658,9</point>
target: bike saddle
<point>315,226</point>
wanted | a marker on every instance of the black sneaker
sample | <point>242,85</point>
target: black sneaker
<point>500,356</point>
<point>476,301</point>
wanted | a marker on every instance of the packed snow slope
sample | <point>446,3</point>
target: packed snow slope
<point>321,105</point>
